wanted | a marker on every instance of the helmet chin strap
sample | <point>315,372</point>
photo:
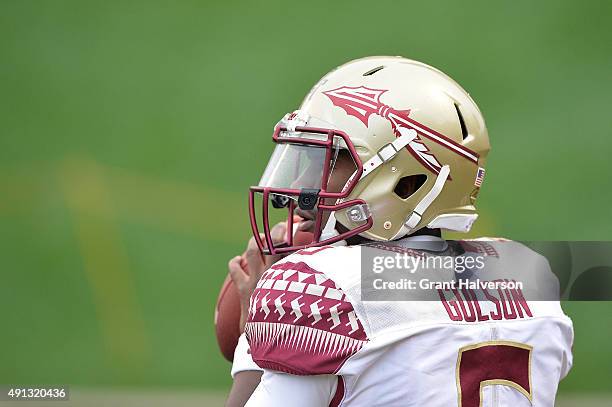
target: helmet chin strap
<point>330,231</point>
<point>417,213</point>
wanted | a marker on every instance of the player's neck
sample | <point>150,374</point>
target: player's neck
<point>357,240</point>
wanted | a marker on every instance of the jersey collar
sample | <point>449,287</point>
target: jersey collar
<point>422,242</point>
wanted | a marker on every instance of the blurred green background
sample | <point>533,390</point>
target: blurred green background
<point>130,131</point>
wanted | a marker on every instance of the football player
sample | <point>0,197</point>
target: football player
<point>384,153</point>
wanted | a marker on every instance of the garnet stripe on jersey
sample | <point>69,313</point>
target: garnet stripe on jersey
<point>300,322</point>
<point>339,394</point>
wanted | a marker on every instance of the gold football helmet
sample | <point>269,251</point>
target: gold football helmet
<point>417,140</point>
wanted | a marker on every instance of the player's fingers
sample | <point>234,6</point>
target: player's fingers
<point>279,232</point>
<point>237,274</point>
<point>254,259</point>
<point>252,244</point>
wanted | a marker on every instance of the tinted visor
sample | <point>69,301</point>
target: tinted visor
<point>297,166</point>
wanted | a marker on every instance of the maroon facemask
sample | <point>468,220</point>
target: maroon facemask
<point>298,176</point>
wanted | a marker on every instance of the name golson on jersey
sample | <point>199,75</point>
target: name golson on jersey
<point>471,346</point>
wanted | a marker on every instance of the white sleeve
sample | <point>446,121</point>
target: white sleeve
<point>280,389</point>
<point>242,357</point>
<point>568,357</point>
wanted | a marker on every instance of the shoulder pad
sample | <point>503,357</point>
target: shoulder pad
<point>300,322</point>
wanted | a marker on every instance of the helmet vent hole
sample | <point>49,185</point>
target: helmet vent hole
<point>464,132</point>
<point>407,186</point>
<point>373,71</point>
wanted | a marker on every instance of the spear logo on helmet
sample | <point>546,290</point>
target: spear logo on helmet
<point>361,102</point>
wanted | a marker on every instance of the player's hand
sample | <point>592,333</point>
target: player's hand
<point>247,269</point>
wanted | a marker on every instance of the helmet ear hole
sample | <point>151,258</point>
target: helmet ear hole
<point>407,186</point>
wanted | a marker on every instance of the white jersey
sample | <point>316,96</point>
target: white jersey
<point>321,345</point>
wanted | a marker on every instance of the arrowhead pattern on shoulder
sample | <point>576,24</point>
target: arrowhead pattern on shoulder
<point>300,322</point>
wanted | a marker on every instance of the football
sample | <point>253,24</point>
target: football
<point>227,310</point>
<point>227,318</point>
